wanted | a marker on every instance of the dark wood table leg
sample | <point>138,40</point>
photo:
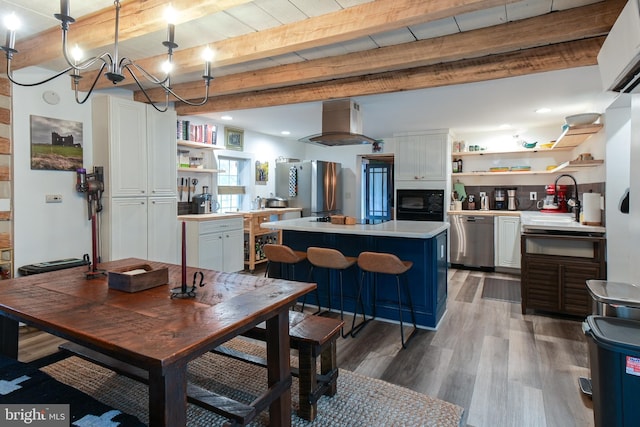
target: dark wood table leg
<point>329,363</point>
<point>168,397</point>
<point>278,368</point>
<point>307,381</point>
<point>9,337</point>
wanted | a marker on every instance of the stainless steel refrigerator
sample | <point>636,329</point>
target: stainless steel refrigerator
<point>315,186</point>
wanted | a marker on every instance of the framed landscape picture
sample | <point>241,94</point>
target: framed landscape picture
<point>233,139</point>
<point>55,144</point>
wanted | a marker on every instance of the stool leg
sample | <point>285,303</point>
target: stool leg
<point>413,318</point>
<point>266,271</point>
<point>342,307</point>
<point>317,292</point>
<point>355,329</point>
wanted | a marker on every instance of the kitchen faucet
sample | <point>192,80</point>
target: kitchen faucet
<point>574,202</point>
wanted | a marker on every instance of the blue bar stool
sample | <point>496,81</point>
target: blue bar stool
<point>332,259</point>
<point>384,263</point>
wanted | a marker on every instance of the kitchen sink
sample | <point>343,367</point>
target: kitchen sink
<point>552,219</point>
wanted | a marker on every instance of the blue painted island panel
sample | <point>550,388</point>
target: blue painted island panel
<point>427,278</point>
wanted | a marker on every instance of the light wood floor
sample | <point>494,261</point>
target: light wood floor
<point>504,368</point>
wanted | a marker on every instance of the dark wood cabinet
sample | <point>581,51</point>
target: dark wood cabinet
<point>555,269</point>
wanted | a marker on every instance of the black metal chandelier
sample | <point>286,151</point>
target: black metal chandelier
<point>111,61</point>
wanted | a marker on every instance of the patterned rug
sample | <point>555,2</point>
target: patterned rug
<point>360,401</point>
<point>24,387</point>
<point>501,289</point>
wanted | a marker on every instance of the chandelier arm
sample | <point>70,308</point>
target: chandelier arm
<point>10,76</point>
<point>76,80</point>
<point>193,104</point>
<point>84,65</point>
<point>153,79</point>
<point>146,95</point>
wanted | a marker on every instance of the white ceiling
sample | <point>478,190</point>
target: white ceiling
<point>468,108</point>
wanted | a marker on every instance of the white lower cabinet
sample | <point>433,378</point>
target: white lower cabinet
<point>140,227</point>
<point>162,230</point>
<point>507,241</point>
<point>220,244</point>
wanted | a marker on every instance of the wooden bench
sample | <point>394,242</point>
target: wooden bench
<point>311,335</point>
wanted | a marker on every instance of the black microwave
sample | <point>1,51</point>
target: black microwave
<point>420,205</point>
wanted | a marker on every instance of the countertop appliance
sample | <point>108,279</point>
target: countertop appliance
<point>315,186</point>
<point>472,241</point>
<point>512,202</point>
<point>500,201</point>
<point>204,203</point>
<point>551,204</point>
<point>420,205</point>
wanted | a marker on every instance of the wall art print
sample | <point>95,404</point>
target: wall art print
<point>262,172</point>
<point>234,139</point>
<point>55,144</point>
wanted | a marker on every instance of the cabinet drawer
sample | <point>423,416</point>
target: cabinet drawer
<point>254,222</point>
<point>217,225</point>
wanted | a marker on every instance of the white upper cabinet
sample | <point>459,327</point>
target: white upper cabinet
<point>422,157</point>
<point>137,147</point>
<point>161,152</point>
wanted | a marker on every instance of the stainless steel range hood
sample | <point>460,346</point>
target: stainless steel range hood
<point>341,125</point>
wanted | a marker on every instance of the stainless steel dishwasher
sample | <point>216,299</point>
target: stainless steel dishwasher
<point>472,241</point>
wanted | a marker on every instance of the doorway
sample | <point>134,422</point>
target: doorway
<point>377,187</point>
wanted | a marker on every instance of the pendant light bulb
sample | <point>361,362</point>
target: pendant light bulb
<point>208,54</point>
<point>167,67</point>
<point>77,54</point>
<point>170,15</point>
<point>11,22</point>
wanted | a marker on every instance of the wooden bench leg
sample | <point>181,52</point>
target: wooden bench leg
<point>307,382</point>
<point>328,364</point>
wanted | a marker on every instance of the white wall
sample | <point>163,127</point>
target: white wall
<point>620,251</point>
<point>47,231</point>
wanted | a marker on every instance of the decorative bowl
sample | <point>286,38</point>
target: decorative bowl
<point>582,119</point>
<point>529,144</point>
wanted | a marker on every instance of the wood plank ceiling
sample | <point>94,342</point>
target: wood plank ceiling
<point>277,52</point>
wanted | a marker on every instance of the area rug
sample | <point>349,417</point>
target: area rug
<point>24,387</point>
<point>502,289</point>
<point>360,401</point>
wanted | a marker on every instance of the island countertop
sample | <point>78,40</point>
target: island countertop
<point>408,229</point>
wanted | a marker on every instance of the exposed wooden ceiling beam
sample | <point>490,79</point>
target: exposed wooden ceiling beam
<point>566,55</point>
<point>588,21</point>
<point>137,18</point>
<point>351,23</point>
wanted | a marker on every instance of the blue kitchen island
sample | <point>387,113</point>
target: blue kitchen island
<point>424,243</point>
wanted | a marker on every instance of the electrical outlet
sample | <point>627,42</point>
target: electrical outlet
<point>53,198</point>
<point>533,195</point>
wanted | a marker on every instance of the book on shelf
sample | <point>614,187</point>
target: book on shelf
<point>204,133</point>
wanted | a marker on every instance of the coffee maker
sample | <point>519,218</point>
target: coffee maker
<point>512,202</point>
<point>499,197</point>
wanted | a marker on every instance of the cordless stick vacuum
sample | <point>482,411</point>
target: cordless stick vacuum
<point>93,185</point>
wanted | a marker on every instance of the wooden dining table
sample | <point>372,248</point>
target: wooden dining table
<point>151,331</point>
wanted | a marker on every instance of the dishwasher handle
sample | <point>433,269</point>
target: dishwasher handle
<point>475,218</point>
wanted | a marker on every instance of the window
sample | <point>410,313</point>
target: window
<point>231,183</point>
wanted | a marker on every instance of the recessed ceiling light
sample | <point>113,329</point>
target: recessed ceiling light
<point>226,117</point>
<point>285,132</point>
<point>543,110</point>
